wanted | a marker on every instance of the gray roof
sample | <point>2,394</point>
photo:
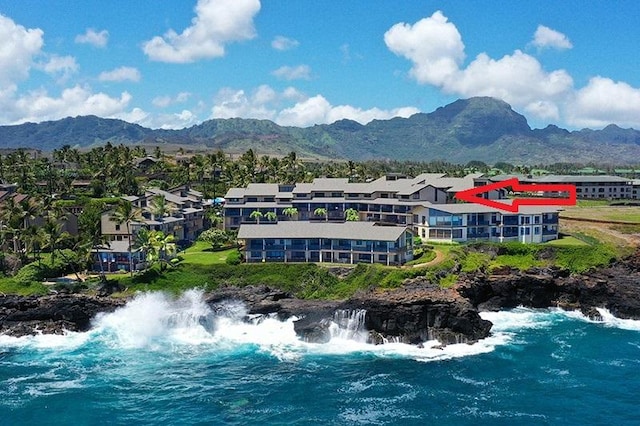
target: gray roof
<point>234,193</point>
<point>461,208</point>
<point>331,230</point>
<point>571,179</point>
<point>261,189</point>
<point>116,247</point>
<point>259,205</point>
<point>401,186</point>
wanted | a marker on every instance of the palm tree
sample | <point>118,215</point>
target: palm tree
<point>127,213</point>
<point>159,208</point>
<point>161,247</point>
<point>12,219</point>
<point>290,212</point>
<point>143,242</point>
<point>321,211</point>
<point>256,215</point>
<point>351,215</point>
<point>271,216</point>
<point>54,237</point>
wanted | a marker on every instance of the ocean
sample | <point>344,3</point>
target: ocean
<point>174,362</point>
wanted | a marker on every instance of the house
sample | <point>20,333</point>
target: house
<point>346,242</point>
<point>114,257</point>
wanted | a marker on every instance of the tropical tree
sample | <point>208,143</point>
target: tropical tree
<point>256,215</point>
<point>127,213</point>
<point>54,238</point>
<point>90,230</point>
<point>159,207</point>
<point>143,242</point>
<point>216,237</point>
<point>271,216</point>
<point>351,215</point>
<point>321,211</point>
<point>12,217</point>
<point>290,212</point>
<point>161,248</point>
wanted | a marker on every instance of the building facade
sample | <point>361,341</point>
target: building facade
<point>470,222</point>
<point>347,242</point>
<point>389,199</point>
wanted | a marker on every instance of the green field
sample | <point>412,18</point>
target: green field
<point>628,214</point>
<point>201,254</point>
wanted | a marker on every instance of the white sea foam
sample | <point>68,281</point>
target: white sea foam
<point>518,319</point>
<point>155,321</point>
<point>608,319</point>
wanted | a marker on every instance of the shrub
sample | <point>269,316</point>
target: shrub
<point>234,258</point>
<point>30,273</point>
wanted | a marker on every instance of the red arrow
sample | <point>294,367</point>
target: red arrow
<point>474,195</point>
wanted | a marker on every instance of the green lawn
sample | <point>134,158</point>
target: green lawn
<point>201,254</point>
<point>630,214</point>
<point>566,241</point>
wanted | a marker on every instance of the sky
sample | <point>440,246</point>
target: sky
<point>177,63</point>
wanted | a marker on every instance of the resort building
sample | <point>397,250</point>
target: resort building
<point>183,217</point>
<point>306,222</point>
<point>472,222</point>
<point>607,187</point>
<point>389,199</point>
<point>589,187</point>
<point>346,242</point>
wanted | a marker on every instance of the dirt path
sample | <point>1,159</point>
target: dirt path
<point>439,258</point>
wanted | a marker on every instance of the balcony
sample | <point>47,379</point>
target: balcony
<point>478,223</point>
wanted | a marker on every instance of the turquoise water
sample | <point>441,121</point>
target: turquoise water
<point>159,361</point>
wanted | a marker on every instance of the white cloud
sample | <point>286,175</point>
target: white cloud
<point>18,47</point>
<point>604,101</point>
<point>546,37</point>
<point>165,101</point>
<point>318,110</point>
<point>62,66</point>
<point>217,23</point>
<point>120,74</point>
<point>291,108</point>
<point>39,106</point>
<point>180,120</point>
<point>93,37</point>
<point>300,72</point>
<point>230,103</point>
<point>435,48</point>
<point>284,43</point>
<point>433,45</point>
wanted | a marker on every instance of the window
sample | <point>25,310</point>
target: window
<point>252,199</point>
<point>440,234</point>
<point>336,194</point>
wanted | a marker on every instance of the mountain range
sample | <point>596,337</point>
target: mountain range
<point>481,128</point>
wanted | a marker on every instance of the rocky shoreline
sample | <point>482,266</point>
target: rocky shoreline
<point>417,312</point>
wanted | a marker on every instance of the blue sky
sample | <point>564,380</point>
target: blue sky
<point>176,63</point>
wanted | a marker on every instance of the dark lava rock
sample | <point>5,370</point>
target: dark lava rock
<point>21,316</point>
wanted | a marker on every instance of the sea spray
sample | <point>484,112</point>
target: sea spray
<point>349,324</point>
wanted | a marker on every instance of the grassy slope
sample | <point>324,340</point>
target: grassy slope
<point>588,246</point>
